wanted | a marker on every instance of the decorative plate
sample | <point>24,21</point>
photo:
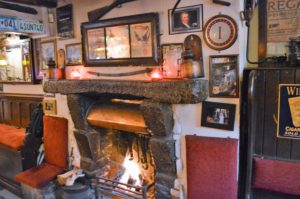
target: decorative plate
<point>220,32</point>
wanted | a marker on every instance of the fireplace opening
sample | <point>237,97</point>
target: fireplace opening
<point>129,169</point>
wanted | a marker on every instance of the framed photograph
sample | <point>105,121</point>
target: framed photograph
<point>73,54</point>
<point>224,76</point>
<point>171,57</point>
<point>49,106</point>
<point>218,115</point>
<point>123,41</point>
<point>186,19</point>
<point>47,53</point>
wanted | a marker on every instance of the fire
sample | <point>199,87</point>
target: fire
<point>132,174</point>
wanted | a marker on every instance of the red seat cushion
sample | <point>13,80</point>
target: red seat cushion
<point>278,176</point>
<point>39,176</point>
<point>56,141</point>
<point>12,137</point>
<point>211,168</point>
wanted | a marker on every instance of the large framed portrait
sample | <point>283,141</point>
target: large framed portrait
<point>73,54</point>
<point>218,115</point>
<point>124,41</point>
<point>224,76</point>
<point>47,53</point>
<point>186,19</point>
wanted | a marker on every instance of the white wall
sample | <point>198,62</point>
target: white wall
<point>187,117</point>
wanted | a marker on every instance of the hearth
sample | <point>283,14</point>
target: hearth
<point>129,168</point>
<point>124,132</point>
<point>125,144</point>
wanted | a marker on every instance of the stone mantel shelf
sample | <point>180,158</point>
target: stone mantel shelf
<point>188,91</point>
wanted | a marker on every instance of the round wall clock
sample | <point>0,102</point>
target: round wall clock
<point>220,32</point>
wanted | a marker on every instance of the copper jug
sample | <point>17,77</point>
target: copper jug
<point>191,68</point>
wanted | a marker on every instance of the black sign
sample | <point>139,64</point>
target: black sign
<point>289,111</point>
<point>65,21</point>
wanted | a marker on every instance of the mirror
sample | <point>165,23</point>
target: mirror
<point>15,59</point>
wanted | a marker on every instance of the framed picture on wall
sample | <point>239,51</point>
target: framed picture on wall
<point>131,40</point>
<point>64,21</point>
<point>171,58</point>
<point>73,54</point>
<point>224,76</point>
<point>49,106</point>
<point>218,115</point>
<point>186,19</point>
<point>47,53</point>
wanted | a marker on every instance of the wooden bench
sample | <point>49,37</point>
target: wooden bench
<point>15,115</point>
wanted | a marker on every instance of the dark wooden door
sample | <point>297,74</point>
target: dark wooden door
<point>258,138</point>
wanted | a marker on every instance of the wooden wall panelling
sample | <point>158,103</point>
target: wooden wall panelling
<point>284,145</point>
<point>15,111</point>
<point>260,105</point>
<point>25,114</point>
<point>7,111</point>
<point>270,127</point>
<point>295,153</point>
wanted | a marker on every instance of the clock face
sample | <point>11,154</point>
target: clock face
<point>220,32</point>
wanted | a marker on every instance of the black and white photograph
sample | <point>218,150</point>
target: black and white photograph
<point>186,19</point>
<point>218,115</point>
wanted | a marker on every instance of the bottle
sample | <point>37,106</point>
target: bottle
<point>191,68</point>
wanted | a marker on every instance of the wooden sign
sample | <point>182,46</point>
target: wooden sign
<point>289,111</point>
<point>13,24</point>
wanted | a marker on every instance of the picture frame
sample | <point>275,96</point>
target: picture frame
<point>48,52</point>
<point>131,40</point>
<point>64,21</point>
<point>49,106</point>
<point>224,76</point>
<point>218,115</point>
<point>73,54</point>
<point>186,19</point>
<point>171,60</point>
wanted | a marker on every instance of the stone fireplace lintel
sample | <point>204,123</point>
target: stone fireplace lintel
<point>188,91</point>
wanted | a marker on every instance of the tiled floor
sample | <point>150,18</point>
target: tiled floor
<point>4,194</point>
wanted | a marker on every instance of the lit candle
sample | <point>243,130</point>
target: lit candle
<point>75,74</point>
<point>156,74</point>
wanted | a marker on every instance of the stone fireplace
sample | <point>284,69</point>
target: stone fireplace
<point>123,122</point>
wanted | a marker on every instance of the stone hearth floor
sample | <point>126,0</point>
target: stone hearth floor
<point>5,194</point>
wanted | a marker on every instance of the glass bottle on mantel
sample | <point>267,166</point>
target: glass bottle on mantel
<point>191,68</point>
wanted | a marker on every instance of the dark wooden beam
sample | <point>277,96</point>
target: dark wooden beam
<point>18,8</point>
<point>44,3</point>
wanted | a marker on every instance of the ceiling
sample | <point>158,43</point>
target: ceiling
<point>44,3</point>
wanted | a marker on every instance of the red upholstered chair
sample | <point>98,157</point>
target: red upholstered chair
<point>278,176</point>
<point>211,167</point>
<point>56,151</point>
